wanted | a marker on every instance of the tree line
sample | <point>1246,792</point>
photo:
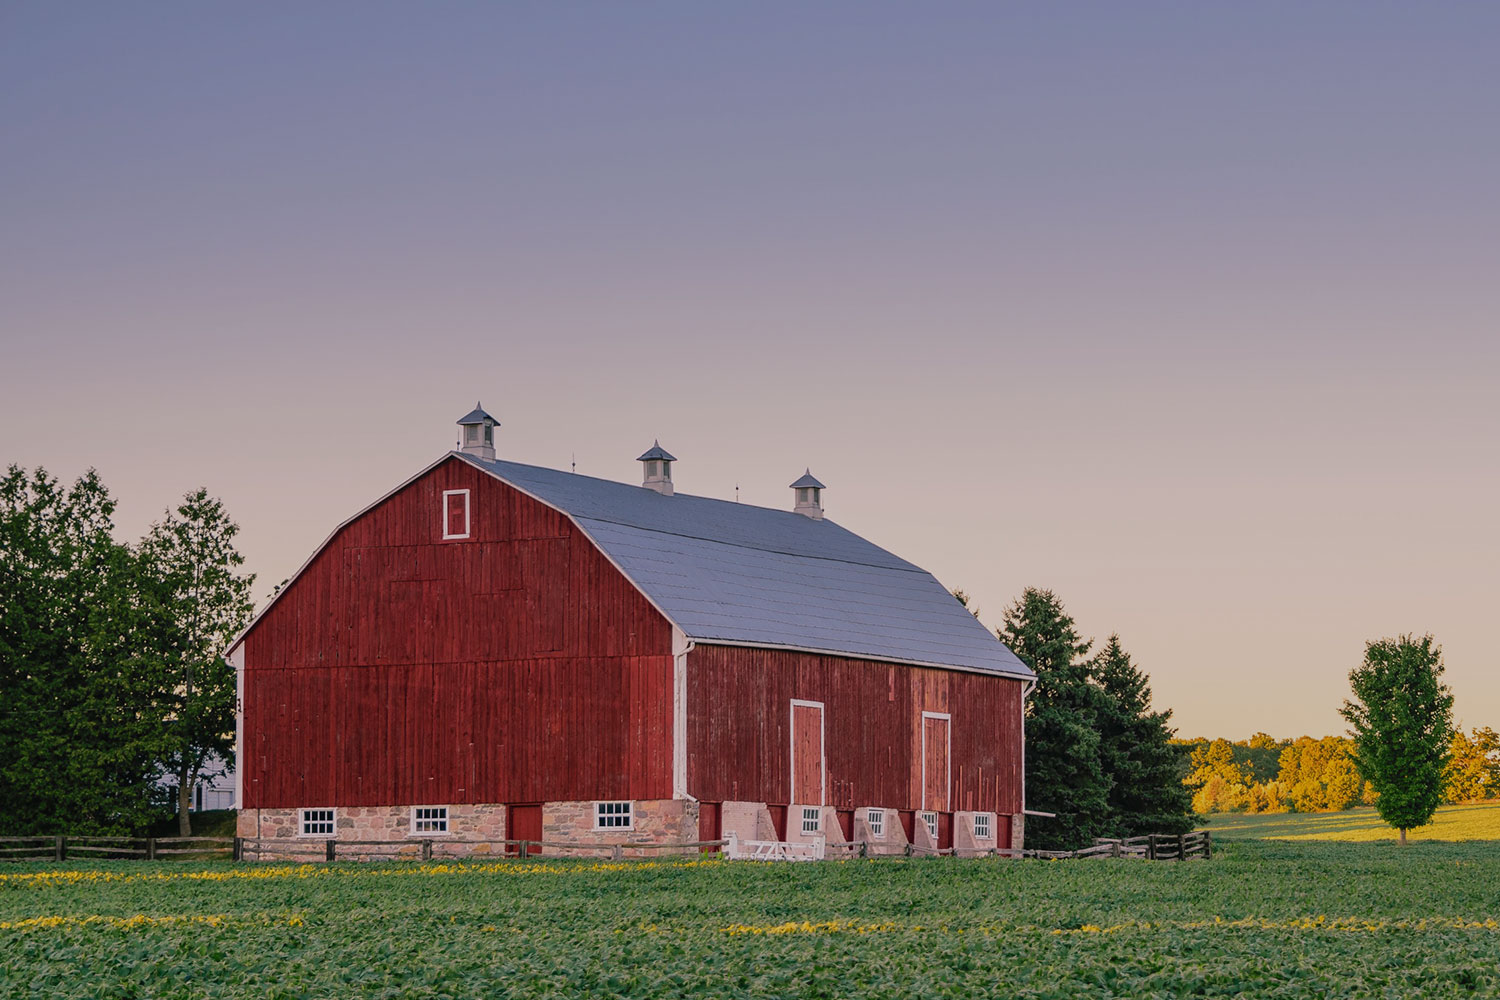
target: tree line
<point>111,667</point>
<point>1266,775</point>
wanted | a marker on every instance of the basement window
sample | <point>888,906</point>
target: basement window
<point>876,819</point>
<point>315,823</point>
<point>428,821</point>
<point>455,514</point>
<point>982,827</point>
<point>812,819</point>
<point>612,816</point>
<point>930,818</point>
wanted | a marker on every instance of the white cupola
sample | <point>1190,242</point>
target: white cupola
<point>809,495</point>
<point>656,466</point>
<point>477,434</point>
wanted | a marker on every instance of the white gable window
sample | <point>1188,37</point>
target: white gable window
<point>812,819</point>
<point>930,818</point>
<point>315,823</point>
<point>612,816</point>
<point>455,514</point>
<point>983,830</point>
<point>429,821</point>
<point>876,819</point>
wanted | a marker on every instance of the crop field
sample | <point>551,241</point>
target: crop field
<point>1263,918</point>
<point>1472,822</point>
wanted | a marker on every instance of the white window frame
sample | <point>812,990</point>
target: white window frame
<point>986,820</point>
<point>875,819</point>
<point>812,815</point>
<point>600,814</point>
<point>822,748</point>
<point>417,819</point>
<point>930,819</point>
<point>303,820</point>
<point>446,519</point>
<point>947,778</point>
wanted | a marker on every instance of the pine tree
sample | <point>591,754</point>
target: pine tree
<point>1064,774</point>
<point>1402,719</point>
<point>1146,793</point>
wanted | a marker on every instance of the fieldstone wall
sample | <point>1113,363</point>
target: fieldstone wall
<point>653,821</point>
<point>484,823</point>
<point>893,840</point>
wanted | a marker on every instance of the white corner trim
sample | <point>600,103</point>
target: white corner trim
<point>455,493</point>
<point>822,749</point>
<point>236,659</point>
<point>681,646</point>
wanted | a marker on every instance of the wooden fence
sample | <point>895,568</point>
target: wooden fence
<point>1155,847</point>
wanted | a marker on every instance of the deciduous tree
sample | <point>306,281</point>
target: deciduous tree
<point>1401,718</point>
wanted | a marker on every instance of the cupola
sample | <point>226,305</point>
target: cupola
<point>477,434</point>
<point>656,466</point>
<point>809,495</point>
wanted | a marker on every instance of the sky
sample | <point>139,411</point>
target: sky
<point>1187,312</point>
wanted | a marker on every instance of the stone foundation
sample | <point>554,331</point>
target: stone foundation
<point>381,824</point>
<point>653,821</point>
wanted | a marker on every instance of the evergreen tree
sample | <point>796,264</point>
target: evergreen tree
<point>202,602</point>
<point>1146,794</point>
<point>1402,719</point>
<point>1064,774</point>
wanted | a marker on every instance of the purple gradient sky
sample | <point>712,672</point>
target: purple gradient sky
<point>1186,311</point>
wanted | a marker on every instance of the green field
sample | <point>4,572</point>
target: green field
<point>1474,822</point>
<point>1263,918</point>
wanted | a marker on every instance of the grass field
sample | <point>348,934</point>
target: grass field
<point>1263,918</point>
<point>1475,822</point>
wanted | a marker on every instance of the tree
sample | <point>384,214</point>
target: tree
<point>1064,774</point>
<point>1473,772</point>
<point>1145,794</point>
<point>963,598</point>
<point>1402,721</point>
<point>78,740</point>
<point>202,603</point>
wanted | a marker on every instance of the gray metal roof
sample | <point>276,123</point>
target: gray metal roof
<point>738,574</point>
<point>475,416</point>
<point>657,452</point>
<point>808,480</point>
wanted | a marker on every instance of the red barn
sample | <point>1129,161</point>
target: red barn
<point>495,650</point>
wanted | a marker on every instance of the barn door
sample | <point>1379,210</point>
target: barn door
<point>807,753</point>
<point>524,823</point>
<point>935,770</point>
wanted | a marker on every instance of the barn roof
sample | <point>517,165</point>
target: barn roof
<point>737,574</point>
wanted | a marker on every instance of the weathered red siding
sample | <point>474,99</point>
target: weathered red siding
<point>515,665</point>
<point>738,719</point>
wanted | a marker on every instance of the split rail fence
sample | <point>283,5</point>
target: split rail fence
<point>1154,847</point>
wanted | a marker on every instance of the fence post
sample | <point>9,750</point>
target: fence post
<point>60,850</point>
<point>1151,847</point>
<point>328,851</point>
<point>426,850</point>
<point>1208,845</point>
<point>150,848</point>
<point>1182,847</point>
<point>524,853</point>
<point>1114,849</point>
<point>616,853</point>
<point>239,850</point>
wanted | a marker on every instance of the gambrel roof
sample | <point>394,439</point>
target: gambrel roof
<point>736,574</point>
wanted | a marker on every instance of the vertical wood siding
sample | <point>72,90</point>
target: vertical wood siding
<point>515,665</point>
<point>739,741</point>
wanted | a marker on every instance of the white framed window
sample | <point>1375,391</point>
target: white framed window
<point>876,819</point>
<point>983,828</point>
<point>930,818</point>
<point>812,819</point>
<point>455,514</point>
<point>315,823</point>
<point>612,816</point>
<point>429,821</point>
